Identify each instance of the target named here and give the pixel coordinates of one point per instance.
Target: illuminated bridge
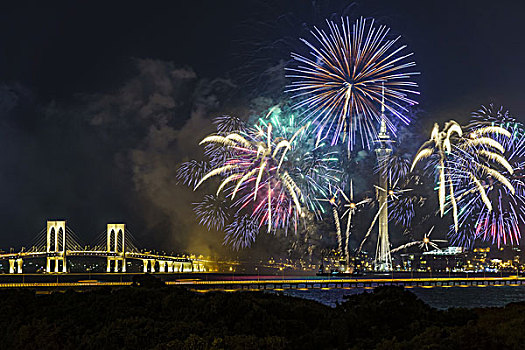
(57, 243)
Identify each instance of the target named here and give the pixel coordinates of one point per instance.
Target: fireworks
(256, 169)
(424, 243)
(272, 173)
(314, 168)
(269, 174)
(392, 194)
(331, 198)
(212, 212)
(402, 208)
(272, 170)
(395, 167)
(461, 161)
(500, 221)
(350, 209)
(189, 173)
(226, 124)
(241, 232)
(289, 162)
(492, 115)
(229, 123)
(342, 85)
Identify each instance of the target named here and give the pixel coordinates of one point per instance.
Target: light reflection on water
(438, 297)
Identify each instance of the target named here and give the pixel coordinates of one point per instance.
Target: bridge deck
(96, 253)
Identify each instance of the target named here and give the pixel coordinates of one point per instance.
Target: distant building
(440, 260)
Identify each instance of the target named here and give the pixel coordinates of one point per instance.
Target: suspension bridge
(57, 243)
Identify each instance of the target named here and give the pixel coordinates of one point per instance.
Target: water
(438, 297)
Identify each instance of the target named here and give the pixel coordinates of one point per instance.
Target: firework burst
(352, 71)
(461, 161)
(241, 233)
(331, 197)
(256, 170)
(425, 243)
(212, 212)
(314, 167)
(407, 201)
(392, 194)
(350, 209)
(500, 221)
(189, 173)
(492, 115)
(271, 169)
(228, 123)
(402, 207)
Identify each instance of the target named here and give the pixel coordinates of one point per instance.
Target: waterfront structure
(58, 244)
(55, 247)
(116, 246)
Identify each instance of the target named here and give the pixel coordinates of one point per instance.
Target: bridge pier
(162, 266)
(197, 267)
(56, 260)
(170, 266)
(117, 260)
(20, 263)
(11, 265)
(151, 267)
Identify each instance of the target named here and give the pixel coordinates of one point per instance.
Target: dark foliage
(173, 318)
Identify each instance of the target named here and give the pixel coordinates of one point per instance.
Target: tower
(56, 246)
(383, 260)
(116, 246)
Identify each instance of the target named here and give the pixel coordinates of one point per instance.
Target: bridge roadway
(163, 263)
(222, 282)
(93, 253)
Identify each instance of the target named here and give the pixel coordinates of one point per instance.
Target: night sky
(100, 101)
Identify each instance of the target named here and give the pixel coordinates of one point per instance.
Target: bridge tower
(56, 246)
(116, 245)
